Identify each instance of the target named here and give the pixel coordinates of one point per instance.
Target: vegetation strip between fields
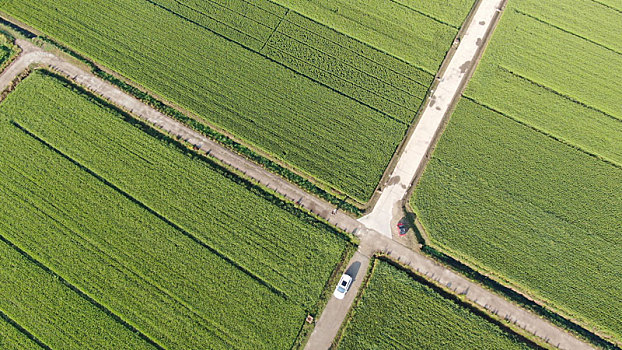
(569, 98)
(607, 6)
(17, 325)
(365, 57)
(152, 211)
(385, 114)
(270, 165)
(560, 140)
(566, 31)
(82, 294)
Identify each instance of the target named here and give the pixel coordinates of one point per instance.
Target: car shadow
(353, 270)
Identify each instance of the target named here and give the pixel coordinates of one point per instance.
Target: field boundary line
(607, 6)
(379, 50)
(425, 14)
(357, 40)
(350, 65)
(502, 286)
(567, 97)
(277, 62)
(23, 330)
(547, 134)
(566, 31)
(83, 294)
(154, 212)
(154, 3)
(273, 31)
(445, 292)
(385, 114)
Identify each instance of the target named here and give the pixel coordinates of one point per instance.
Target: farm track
(371, 241)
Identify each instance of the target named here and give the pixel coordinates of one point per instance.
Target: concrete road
(371, 241)
(430, 122)
(336, 310)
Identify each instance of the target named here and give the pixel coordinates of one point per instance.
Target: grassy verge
(386, 287)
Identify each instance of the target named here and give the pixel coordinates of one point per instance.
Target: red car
(402, 228)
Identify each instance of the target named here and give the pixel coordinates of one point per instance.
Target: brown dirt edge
(524, 336)
(340, 198)
(505, 288)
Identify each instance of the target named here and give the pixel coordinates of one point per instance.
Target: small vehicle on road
(402, 228)
(343, 286)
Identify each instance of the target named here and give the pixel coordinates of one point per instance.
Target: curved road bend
(371, 241)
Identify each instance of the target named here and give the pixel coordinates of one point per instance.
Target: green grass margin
(447, 259)
(529, 339)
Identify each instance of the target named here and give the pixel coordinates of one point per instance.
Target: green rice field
(117, 237)
(398, 312)
(525, 182)
(332, 101)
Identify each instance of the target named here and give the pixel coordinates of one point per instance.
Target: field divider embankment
(424, 14)
(345, 48)
(356, 69)
(547, 134)
(164, 124)
(83, 295)
(23, 330)
(567, 97)
(607, 6)
(566, 31)
(169, 222)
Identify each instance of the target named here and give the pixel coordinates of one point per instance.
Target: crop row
(243, 22)
(389, 26)
(133, 210)
(541, 216)
(540, 52)
(399, 312)
(57, 316)
(319, 132)
(564, 118)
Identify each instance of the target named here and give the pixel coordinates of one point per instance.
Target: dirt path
(371, 241)
(452, 82)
